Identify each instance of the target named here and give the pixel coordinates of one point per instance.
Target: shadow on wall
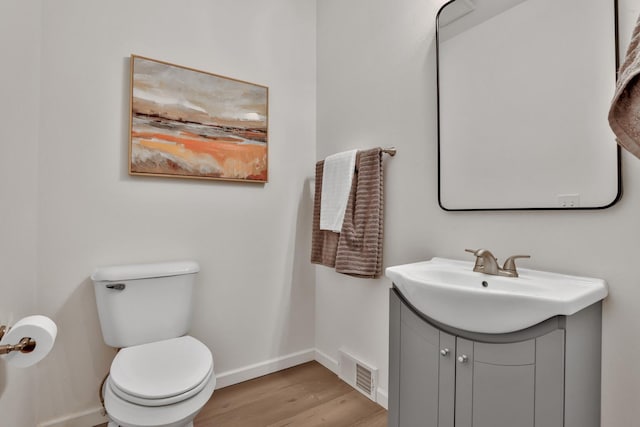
(79, 360)
(295, 317)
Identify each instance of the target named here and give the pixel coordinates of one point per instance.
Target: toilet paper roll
(41, 329)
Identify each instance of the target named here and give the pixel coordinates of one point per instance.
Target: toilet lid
(161, 369)
(163, 401)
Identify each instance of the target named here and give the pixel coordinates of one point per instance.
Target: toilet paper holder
(26, 344)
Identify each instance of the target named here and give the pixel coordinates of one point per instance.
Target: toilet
(161, 377)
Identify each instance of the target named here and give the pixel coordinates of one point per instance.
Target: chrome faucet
(488, 264)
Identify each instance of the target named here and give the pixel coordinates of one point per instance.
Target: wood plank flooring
(307, 395)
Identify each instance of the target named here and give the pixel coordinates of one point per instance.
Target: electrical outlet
(568, 200)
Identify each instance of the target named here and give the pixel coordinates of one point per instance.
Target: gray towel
(624, 115)
(357, 249)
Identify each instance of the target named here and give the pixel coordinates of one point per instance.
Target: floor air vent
(358, 375)
(363, 379)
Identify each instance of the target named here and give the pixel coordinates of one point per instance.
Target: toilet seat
(127, 414)
(161, 401)
(164, 383)
(161, 373)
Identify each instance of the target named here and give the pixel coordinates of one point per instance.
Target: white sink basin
(450, 292)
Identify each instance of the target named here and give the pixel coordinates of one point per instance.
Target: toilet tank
(143, 303)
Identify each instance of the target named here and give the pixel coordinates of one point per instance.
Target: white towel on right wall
(336, 185)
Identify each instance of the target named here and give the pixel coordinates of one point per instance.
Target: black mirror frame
(580, 208)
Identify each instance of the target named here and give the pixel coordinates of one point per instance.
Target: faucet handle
(479, 261)
(510, 264)
(480, 252)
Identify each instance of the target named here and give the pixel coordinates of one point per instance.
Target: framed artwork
(193, 124)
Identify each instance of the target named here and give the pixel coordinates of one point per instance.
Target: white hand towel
(336, 185)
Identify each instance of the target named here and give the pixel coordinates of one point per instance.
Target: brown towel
(624, 115)
(357, 249)
(324, 243)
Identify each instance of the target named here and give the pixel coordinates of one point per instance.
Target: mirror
(524, 89)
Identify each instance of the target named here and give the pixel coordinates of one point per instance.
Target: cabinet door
(447, 373)
(550, 379)
(421, 371)
(495, 384)
(421, 356)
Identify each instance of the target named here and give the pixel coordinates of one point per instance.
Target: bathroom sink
(450, 292)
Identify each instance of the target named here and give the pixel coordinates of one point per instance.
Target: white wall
(377, 86)
(19, 113)
(255, 292)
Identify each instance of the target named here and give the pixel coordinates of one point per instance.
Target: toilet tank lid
(144, 271)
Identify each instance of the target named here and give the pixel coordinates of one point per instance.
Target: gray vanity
(544, 375)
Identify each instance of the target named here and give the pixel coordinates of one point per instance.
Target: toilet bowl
(161, 377)
(160, 384)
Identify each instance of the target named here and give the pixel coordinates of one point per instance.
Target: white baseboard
(95, 416)
(88, 418)
(250, 372)
(328, 362)
(382, 398)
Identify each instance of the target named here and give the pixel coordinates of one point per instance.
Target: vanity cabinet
(545, 376)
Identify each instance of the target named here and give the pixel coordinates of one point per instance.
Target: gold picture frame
(187, 123)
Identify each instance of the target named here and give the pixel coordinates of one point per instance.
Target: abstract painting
(193, 124)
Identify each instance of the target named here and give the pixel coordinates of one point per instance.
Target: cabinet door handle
(444, 352)
(463, 358)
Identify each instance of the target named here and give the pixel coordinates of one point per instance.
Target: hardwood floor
(307, 395)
